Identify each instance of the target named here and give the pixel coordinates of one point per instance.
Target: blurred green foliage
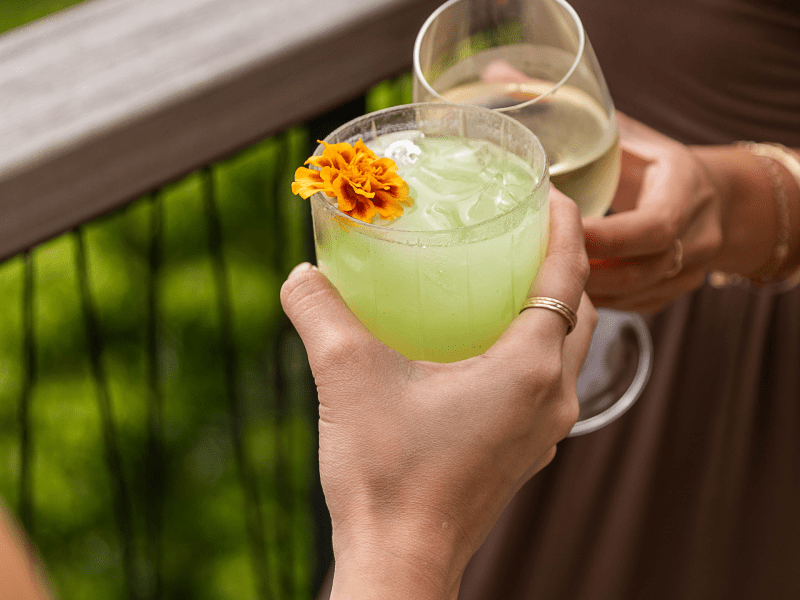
(14, 13)
(205, 552)
(190, 527)
(390, 93)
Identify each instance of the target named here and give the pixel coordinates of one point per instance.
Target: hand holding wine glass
(682, 212)
(657, 247)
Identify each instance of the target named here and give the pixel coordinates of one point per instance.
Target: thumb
(329, 330)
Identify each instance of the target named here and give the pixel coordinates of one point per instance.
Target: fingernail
(301, 267)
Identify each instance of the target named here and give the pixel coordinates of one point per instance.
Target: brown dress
(694, 494)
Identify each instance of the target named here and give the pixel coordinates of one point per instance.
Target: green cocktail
(444, 280)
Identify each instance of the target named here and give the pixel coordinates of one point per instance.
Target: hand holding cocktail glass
(418, 459)
(444, 280)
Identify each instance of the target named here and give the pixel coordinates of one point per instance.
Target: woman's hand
(418, 459)
(681, 212)
(667, 230)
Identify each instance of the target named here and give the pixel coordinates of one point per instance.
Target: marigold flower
(363, 184)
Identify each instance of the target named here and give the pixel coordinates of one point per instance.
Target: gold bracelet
(780, 153)
(771, 153)
(769, 156)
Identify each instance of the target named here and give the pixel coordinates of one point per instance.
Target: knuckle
(567, 413)
(550, 372)
(298, 288)
(573, 265)
(542, 379)
(666, 231)
(339, 350)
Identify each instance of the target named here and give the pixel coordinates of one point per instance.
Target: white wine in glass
(584, 157)
(531, 60)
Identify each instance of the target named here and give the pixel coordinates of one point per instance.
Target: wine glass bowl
(532, 61)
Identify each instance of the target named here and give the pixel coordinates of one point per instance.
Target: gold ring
(678, 267)
(554, 305)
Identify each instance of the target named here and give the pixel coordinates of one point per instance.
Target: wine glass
(532, 60)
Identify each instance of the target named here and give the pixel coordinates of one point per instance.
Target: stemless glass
(532, 60)
(437, 295)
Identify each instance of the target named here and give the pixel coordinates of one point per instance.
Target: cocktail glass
(531, 60)
(440, 295)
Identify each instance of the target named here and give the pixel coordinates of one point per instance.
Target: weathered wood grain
(103, 102)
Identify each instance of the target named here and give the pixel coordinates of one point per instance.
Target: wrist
(382, 574)
(398, 561)
(760, 214)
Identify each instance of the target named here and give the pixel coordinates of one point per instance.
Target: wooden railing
(154, 332)
(103, 102)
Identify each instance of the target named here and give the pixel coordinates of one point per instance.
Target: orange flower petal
(361, 149)
(360, 187)
(307, 182)
(386, 205)
(319, 161)
(348, 197)
(342, 153)
(328, 175)
(386, 165)
(363, 184)
(363, 211)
